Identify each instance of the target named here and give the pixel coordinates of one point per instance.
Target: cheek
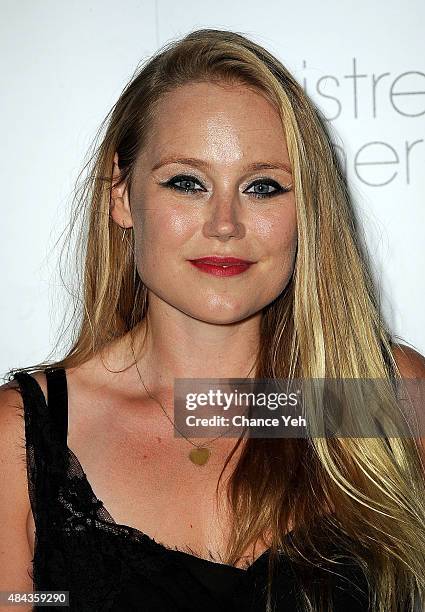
(159, 236)
(278, 235)
(179, 226)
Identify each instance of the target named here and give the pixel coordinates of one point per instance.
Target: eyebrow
(199, 163)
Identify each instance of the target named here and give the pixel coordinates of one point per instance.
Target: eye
(186, 182)
(264, 184)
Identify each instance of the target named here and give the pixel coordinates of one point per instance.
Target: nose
(224, 220)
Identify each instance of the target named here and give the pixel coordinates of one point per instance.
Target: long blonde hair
(367, 492)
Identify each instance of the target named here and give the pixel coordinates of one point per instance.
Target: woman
(212, 150)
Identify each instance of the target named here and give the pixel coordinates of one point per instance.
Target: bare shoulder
(410, 363)
(12, 426)
(12, 432)
(12, 423)
(14, 498)
(11, 408)
(10, 390)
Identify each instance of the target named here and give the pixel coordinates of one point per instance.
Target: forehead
(224, 122)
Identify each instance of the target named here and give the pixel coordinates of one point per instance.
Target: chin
(220, 316)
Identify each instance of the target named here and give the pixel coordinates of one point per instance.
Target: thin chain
(165, 412)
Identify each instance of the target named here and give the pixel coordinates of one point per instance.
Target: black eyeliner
(259, 181)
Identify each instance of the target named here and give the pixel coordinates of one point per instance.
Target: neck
(183, 347)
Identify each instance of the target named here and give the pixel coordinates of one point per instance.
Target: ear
(120, 205)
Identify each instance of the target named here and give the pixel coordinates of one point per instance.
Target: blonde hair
(367, 492)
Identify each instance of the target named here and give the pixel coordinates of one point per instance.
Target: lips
(216, 260)
(221, 266)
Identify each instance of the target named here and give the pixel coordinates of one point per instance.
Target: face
(232, 198)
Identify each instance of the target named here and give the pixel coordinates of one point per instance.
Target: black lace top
(108, 566)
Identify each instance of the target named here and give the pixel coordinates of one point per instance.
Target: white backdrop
(64, 64)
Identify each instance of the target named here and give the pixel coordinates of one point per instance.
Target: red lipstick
(221, 266)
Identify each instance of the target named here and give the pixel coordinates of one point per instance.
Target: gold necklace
(198, 455)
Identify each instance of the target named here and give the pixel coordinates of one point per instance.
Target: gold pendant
(199, 455)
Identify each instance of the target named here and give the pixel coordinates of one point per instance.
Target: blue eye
(264, 182)
(187, 182)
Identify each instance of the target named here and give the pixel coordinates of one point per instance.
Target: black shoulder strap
(57, 402)
(55, 434)
(46, 425)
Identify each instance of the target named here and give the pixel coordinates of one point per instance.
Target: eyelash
(261, 181)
